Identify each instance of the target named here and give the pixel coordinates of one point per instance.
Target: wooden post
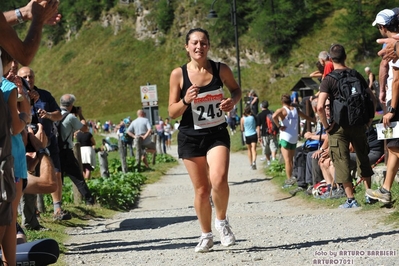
(77, 197)
(122, 154)
(103, 160)
(158, 143)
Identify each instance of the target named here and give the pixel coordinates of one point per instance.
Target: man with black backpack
(69, 164)
(352, 108)
(267, 135)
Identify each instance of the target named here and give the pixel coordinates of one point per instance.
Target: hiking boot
(309, 191)
(379, 195)
(289, 182)
(205, 244)
(61, 215)
(254, 166)
(298, 189)
(90, 201)
(227, 237)
(39, 227)
(348, 205)
(338, 193)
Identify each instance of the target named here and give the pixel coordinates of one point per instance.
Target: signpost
(149, 100)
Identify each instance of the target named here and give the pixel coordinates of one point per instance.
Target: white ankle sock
(207, 235)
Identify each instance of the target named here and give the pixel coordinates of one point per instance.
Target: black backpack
(62, 144)
(353, 106)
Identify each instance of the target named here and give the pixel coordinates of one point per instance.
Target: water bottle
(353, 90)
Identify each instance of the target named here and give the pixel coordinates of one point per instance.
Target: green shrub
(276, 168)
(164, 158)
(119, 191)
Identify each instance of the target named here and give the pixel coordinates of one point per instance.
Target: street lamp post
(212, 14)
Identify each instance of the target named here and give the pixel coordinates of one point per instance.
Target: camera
(29, 147)
(34, 127)
(75, 109)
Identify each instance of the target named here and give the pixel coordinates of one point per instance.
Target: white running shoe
(227, 237)
(205, 244)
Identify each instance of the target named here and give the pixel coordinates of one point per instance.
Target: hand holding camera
(36, 141)
(77, 110)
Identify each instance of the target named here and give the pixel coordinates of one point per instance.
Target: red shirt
(328, 67)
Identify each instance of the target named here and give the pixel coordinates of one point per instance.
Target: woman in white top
(287, 118)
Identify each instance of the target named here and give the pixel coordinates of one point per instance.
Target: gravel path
(271, 228)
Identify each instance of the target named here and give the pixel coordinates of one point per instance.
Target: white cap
(383, 17)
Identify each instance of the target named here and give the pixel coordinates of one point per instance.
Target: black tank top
(187, 123)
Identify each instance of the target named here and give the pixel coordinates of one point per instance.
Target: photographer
(69, 164)
(44, 110)
(41, 173)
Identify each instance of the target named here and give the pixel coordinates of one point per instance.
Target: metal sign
(149, 95)
(152, 103)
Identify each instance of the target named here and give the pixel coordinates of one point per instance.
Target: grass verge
(277, 172)
(81, 214)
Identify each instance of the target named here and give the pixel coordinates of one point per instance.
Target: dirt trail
(271, 228)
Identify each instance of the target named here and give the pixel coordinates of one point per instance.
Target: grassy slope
(105, 71)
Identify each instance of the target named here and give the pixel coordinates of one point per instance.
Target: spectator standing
(140, 130)
(231, 120)
(204, 144)
(69, 163)
(325, 61)
(389, 29)
(294, 98)
(87, 145)
(107, 127)
(268, 141)
(19, 118)
(176, 125)
(22, 51)
(254, 102)
(374, 86)
(161, 136)
(128, 140)
(319, 72)
(248, 126)
(340, 137)
(167, 128)
(370, 78)
(287, 118)
(98, 126)
(45, 111)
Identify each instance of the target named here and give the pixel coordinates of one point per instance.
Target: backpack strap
(337, 76)
(59, 128)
